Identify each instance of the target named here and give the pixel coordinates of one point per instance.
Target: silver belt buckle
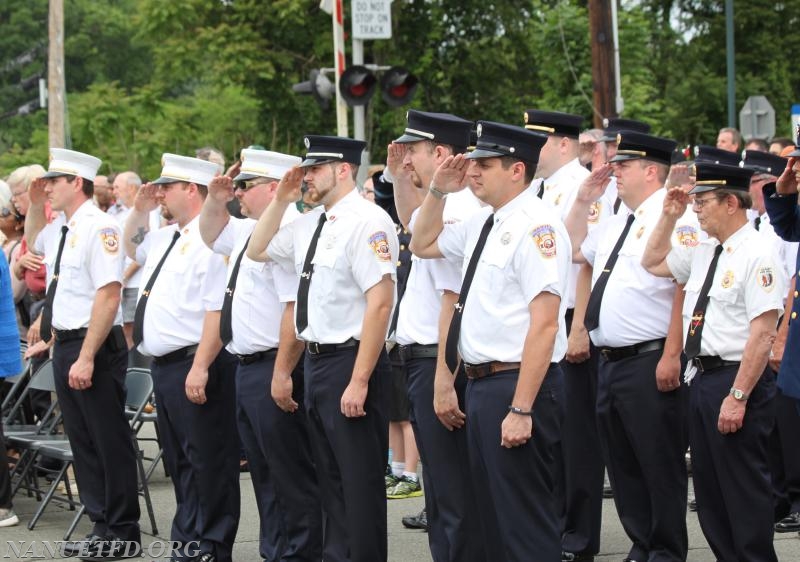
(313, 348)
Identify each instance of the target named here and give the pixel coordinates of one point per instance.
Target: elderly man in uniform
(734, 295)
(423, 315)
(177, 324)
(510, 334)
(345, 255)
(640, 404)
(82, 313)
(559, 175)
(256, 326)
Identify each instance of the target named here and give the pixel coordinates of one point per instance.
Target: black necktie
(540, 193)
(402, 278)
(592, 319)
(757, 223)
(453, 333)
(305, 278)
(694, 335)
(617, 204)
(138, 318)
(226, 317)
(45, 331)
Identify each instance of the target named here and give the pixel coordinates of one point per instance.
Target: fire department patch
(545, 238)
(594, 212)
(766, 278)
(687, 236)
(380, 245)
(110, 240)
(727, 279)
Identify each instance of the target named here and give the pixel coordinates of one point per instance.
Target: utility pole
(56, 89)
(603, 67)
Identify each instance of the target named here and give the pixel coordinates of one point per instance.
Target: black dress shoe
(111, 548)
(75, 548)
(576, 557)
(419, 521)
(788, 524)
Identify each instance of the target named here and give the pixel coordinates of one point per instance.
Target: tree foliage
(147, 76)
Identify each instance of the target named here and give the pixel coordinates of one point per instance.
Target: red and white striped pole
(339, 65)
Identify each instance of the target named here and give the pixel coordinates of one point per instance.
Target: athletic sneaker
(8, 518)
(391, 482)
(406, 488)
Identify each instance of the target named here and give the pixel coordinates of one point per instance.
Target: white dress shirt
(748, 281)
(91, 259)
(357, 246)
(527, 253)
(190, 283)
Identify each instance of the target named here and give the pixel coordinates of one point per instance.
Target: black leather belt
(480, 370)
(710, 362)
(618, 353)
(69, 335)
(315, 348)
(257, 356)
(175, 356)
(418, 351)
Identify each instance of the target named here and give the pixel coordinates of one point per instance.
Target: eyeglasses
(248, 185)
(700, 203)
(5, 212)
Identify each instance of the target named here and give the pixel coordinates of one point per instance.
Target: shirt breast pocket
(70, 266)
(692, 290)
(496, 262)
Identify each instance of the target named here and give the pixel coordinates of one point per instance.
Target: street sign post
(757, 118)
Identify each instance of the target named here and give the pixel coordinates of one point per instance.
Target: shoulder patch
(110, 240)
(594, 212)
(545, 238)
(766, 278)
(687, 236)
(380, 245)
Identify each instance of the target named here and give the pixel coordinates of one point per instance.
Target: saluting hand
(787, 183)
(679, 176)
(450, 175)
(445, 403)
(195, 385)
(80, 374)
(353, 399)
(36, 192)
(731, 415)
(220, 189)
(145, 200)
(289, 187)
(676, 201)
(515, 430)
(395, 154)
(234, 169)
(594, 186)
(282, 388)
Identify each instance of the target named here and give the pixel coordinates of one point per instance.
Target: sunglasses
(5, 212)
(247, 185)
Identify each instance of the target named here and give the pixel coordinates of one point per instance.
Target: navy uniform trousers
(101, 438)
(453, 523)
(643, 433)
(281, 467)
(784, 448)
(350, 455)
(731, 472)
(582, 468)
(514, 487)
(201, 453)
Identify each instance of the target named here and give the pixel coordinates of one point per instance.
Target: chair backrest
(42, 379)
(17, 383)
(138, 389)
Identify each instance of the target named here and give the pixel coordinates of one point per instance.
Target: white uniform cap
(265, 164)
(65, 162)
(184, 168)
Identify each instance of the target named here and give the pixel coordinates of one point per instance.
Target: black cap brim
(163, 180)
(308, 162)
(625, 158)
(49, 175)
(243, 176)
(481, 152)
(408, 138)
(704, 188)
(608, 138)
